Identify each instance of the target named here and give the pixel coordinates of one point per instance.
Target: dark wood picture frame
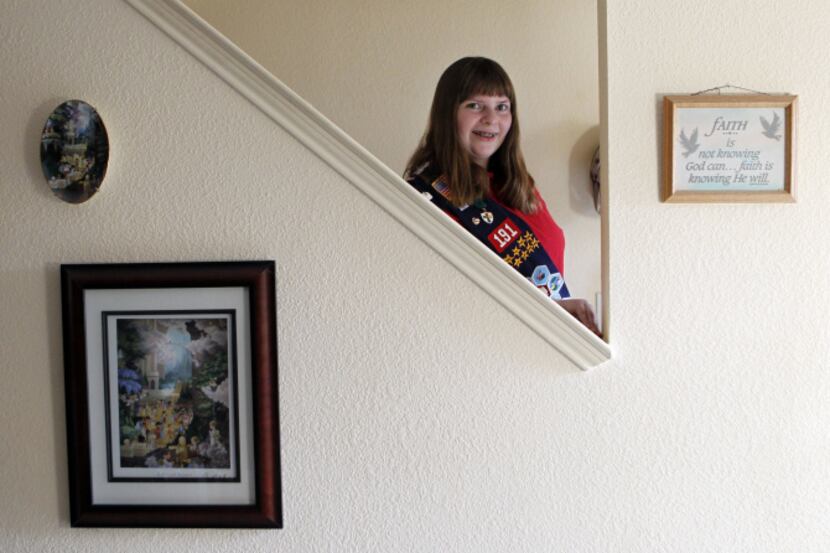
(255, 281)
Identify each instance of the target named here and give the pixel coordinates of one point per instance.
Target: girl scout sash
(506, 234)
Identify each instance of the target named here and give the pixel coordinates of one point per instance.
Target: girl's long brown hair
(440, 149)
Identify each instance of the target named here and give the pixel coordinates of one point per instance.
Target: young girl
(469, 163)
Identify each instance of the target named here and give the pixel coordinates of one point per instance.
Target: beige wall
(721, 313)
(417, 414)
(371, 67)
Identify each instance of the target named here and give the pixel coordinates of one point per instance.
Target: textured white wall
(402, 384)
(417, 415)
(371, 66)
(720, 312)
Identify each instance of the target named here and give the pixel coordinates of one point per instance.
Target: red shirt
(545, 229)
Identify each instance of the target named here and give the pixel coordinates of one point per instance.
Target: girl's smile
(482, 123)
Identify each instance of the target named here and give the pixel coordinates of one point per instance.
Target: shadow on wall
(55, 335)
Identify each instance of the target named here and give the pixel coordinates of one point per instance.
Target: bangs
(488, 78)
(489, 88)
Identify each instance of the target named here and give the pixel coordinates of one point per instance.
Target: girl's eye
(473, 105)
(504, 108)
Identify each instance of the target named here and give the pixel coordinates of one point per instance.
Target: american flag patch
(441, 187)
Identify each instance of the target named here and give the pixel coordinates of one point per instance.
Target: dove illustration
(689, 144)
(771, 128)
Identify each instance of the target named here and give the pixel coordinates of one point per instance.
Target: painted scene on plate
(176, 408)
(74, 151)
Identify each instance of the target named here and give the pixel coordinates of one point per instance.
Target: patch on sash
(504, 235)
(541, 275)
(441, 187)
(525, 245)
(550, 284)
(556, 284)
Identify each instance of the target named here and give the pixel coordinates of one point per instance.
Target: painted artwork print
(171, 389)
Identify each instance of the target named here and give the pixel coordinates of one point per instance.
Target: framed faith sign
(729, 148)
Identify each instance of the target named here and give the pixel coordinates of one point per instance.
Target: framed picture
(171, 394)
(729, 148)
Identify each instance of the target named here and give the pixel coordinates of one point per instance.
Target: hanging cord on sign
(718, 89)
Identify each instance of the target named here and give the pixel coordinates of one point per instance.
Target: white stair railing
(376, 180)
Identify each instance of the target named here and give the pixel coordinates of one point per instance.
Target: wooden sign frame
(729, 148)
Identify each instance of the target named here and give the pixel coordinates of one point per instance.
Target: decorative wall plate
(74, 151)
(595, 182)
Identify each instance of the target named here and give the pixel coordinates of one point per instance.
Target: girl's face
(482, 123)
